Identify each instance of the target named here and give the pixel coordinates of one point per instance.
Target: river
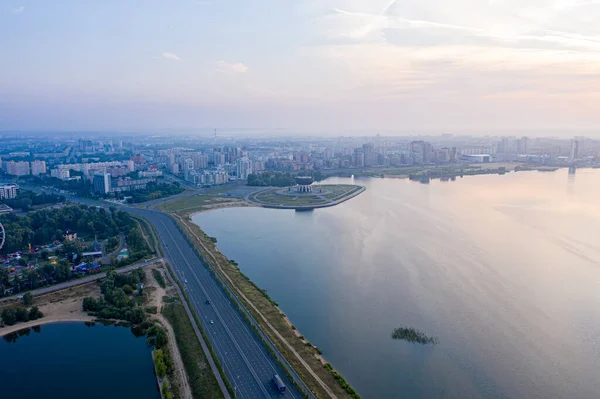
(74, 361)
(504, 270)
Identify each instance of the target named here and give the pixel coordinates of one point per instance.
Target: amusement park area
(49, 246)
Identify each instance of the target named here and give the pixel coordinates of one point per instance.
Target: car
(212, 322)
(185, 280)
(207, 302)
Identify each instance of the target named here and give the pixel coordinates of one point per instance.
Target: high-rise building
(218, 159)
(358, 159)
(102, 183)
(20, 168)
(8, 191)
(574, 149)
(522, 145)
(175, 169)
(244, 168)
(200, 160)
(369, 154)
(38, 168)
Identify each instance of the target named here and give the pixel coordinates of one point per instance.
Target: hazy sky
(322, 64)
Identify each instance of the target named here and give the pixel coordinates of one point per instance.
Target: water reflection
(504, 269)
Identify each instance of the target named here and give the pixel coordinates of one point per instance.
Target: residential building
(8, 191)
(38, 168)
(244, 168)
(17, 168)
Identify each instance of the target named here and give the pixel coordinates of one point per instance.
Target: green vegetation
(159, 363)
(26, 199)
(202, 380)
(13, 315)
(116, 304)
(275, 179)
(411, 334)
(349, 390)
(155, 191)
(48, 225)
(28, 299)
(159, 278)
(165, 390)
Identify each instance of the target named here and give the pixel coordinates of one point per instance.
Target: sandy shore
(59, 306)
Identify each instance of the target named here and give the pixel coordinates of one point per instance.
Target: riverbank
(301, 354)
(59, 306)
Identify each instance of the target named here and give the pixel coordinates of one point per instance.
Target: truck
(278, 382)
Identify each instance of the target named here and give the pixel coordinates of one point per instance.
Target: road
(247, 364)
(245, 360)
(80, 281)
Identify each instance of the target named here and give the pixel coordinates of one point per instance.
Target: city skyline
(329, 66)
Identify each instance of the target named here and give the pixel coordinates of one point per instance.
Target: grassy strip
(349, 390)
(147, 232)
(201, 378)
(205, 337)
(159, 278)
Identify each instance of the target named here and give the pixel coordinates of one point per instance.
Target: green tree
(63, 271)
(9, 316)
(35, 313)
(28, 299)
(21, 314)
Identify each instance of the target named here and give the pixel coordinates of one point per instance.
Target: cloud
(171, 56)
(18, 10)
(237, 67)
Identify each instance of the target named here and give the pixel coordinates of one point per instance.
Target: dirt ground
(58, 306)
(156, 299)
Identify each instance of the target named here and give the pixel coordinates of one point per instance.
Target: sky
(314, 65)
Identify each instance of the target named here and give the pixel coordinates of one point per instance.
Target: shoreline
(44, 320)
(330, 388)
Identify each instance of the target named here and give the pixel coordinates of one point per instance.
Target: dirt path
(181, 379)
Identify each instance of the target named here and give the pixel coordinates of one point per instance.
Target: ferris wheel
(2, 236)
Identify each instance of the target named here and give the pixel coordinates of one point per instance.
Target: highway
(246, 362)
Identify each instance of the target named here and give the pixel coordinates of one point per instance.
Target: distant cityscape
(118, 166)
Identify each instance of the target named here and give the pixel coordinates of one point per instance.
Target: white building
(8, 191)
(38, 168)
(61, 173)
(20, 168)
(244, 168)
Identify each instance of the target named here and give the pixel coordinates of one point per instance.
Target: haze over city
(301, 66)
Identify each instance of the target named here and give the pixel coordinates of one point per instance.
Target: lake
(72, 360)
(504, 270)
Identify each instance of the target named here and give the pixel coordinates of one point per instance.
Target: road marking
(244, 358)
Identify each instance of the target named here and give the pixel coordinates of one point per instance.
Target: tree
(45, 255)
(22, 262)
(9, 316)
(63, 271)
(21, 314)
(35, 313)
(28, 299)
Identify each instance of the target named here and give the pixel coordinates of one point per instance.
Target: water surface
(503, 269)
(74, 361)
